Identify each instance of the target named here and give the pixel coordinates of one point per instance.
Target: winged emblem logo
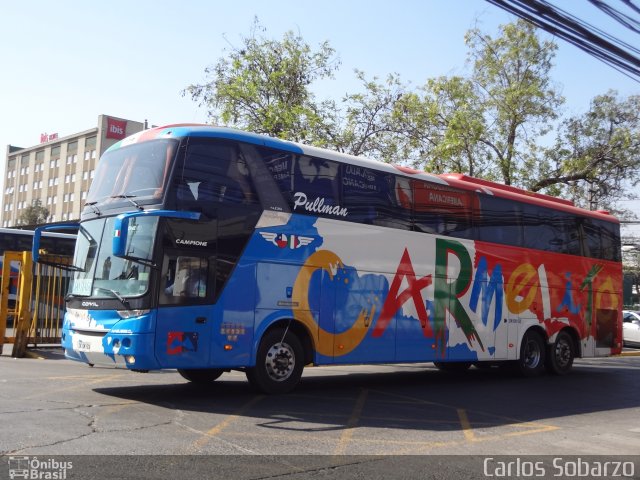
(282, 240)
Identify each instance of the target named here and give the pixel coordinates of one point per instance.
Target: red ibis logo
(116, 129)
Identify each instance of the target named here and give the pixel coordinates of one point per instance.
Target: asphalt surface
(349, 421)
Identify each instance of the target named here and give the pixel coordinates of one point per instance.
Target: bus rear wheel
(279, 362)
(532, 354)
(201, 376)
(561, 354)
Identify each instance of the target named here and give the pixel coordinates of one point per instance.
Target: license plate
(82, 346)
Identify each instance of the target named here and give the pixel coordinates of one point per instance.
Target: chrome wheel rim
(532, 354)
(280, 362)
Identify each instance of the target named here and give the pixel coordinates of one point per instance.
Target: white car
(631, 328)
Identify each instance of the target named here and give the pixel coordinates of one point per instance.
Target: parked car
(631, 328)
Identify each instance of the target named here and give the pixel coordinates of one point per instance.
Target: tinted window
(370, 197)
(442, 210)
(280, 165)
(602, 239)
(499, 220)
(550, 230)
(316, 185)
(310, 185)
(212, 173)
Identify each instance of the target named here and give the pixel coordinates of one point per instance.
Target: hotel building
(59, 170)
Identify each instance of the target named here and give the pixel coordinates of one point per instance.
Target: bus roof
(457, 180)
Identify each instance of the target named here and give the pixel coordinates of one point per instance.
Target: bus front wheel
(279, 362)
(532, 354)
(201, 376)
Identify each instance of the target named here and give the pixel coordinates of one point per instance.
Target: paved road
(54, 406)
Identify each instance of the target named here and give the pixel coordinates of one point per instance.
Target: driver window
(185, 280)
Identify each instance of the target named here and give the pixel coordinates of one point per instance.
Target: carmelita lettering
(317, 206)
(194, 243)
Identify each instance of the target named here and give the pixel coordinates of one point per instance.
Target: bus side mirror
(121, 226)
(37, 235)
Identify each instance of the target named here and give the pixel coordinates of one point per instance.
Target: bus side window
(185, 278)
(500, 221)
(213, 172)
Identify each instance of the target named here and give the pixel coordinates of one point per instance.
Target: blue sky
(66, 62)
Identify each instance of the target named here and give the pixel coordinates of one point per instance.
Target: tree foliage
(492, 123)
(34, 214)
(596, 156)
(264, 86)
(511, 79)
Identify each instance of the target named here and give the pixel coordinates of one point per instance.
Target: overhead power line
(617, 53)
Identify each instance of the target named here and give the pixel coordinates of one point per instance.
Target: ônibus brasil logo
(35, 468)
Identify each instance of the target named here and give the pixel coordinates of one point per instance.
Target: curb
(629, 354)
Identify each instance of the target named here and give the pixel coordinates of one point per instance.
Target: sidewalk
(49, 352)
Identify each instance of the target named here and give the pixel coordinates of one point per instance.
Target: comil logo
(116, 129)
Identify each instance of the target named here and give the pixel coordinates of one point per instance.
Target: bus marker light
(130, 359)
(228, 347)
(511, 345)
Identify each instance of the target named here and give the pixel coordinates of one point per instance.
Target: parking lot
(57, 407)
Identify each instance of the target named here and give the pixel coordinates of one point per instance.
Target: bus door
(186, 293)
(185, 314)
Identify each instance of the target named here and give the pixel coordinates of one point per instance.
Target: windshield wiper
(71, 296)
(93, 207)
(123, 300)
(130, 199)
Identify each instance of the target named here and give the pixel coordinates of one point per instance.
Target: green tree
(34, 214)
(264, 86)
(511, 75)
(490, 124)
(443, 124)
(595, 160)
(485, 124)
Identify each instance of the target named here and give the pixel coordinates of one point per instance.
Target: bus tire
(201, 376)
(279, 362)
(453, 366)
(532, 354)
(560, 354)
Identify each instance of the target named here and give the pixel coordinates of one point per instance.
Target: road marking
(529, 427)
(209, 434)
(466, 426)
(352, 423)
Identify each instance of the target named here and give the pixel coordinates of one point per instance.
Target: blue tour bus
(208, 249)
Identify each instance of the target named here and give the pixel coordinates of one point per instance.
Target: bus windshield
(137, 170)
(102, 275)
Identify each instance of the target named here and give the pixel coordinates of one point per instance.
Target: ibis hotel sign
(116, 129)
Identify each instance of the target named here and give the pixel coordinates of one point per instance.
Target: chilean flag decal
(282, 240)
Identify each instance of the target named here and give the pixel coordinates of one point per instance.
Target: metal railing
(32, 302)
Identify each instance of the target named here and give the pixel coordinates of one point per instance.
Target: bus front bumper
(99, 348)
